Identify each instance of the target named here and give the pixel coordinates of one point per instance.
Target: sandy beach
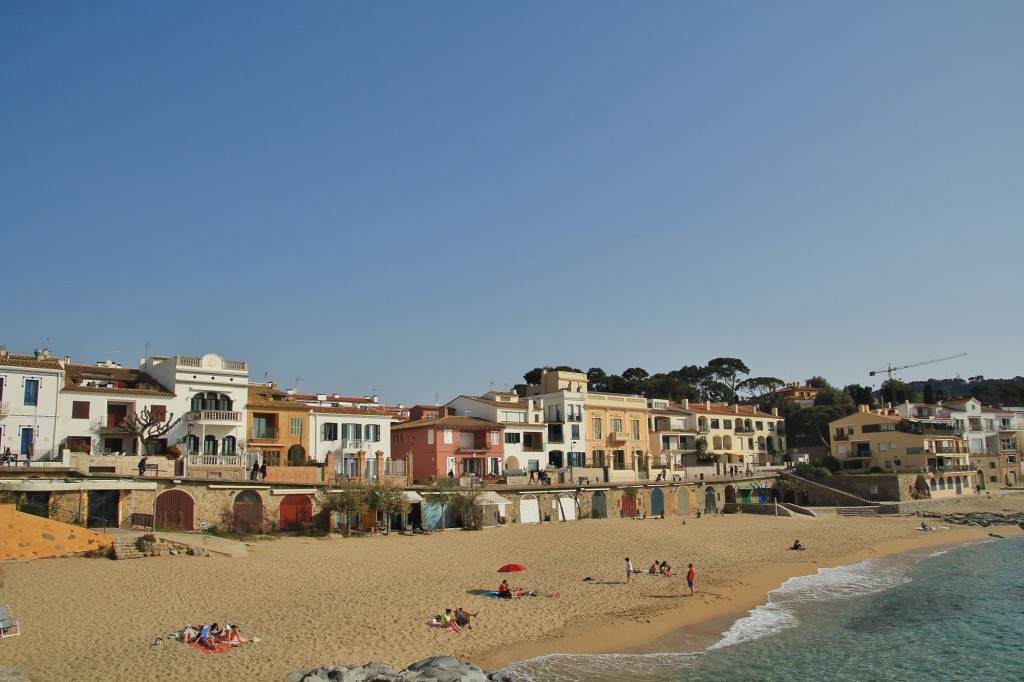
(319, 601)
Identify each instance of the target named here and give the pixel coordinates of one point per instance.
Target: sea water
(953, 614)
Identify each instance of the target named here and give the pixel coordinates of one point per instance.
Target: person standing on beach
(690, 576)
(629, 572)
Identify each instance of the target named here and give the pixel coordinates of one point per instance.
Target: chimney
(707, 404)
(736, 408)
(686, 403)
(775, 412)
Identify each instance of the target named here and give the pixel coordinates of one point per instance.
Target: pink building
(442, 444)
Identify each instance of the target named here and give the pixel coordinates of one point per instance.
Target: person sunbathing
(206, 636)
(665, 569)
(188, 634)
(232, 635)
(653, 570)
(504, 591)
(464, 617)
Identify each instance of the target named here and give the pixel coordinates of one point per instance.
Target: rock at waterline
(434, 669)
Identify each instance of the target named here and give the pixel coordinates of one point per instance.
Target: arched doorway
(730, 494)
(710, 503)
(629, 506)
(566, 508)
(295, 511)
(599, 506)
(657, 502)
(248, 512)
(529, 509)
(683, 499)
(296, 456)
(175, 509)
(512, 463)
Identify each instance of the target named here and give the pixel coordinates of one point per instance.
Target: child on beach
(690, 576)
(629, 572)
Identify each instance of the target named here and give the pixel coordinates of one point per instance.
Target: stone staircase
(126, 548)
(857, 511)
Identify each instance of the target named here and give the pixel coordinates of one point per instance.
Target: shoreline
(717, 616)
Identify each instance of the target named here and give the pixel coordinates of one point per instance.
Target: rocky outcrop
(983, 519)
(435, 669)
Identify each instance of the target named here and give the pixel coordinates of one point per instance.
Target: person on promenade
(629, 572)
(142, 465)
(255, 471)
(691, 575)
(263, 470)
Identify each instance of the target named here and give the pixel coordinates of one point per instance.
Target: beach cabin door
(566, 509)
(103, 508)
(599, 505)
(175, 509)
(295, 511)
(710, 505)
(529, 510)
(657, 502)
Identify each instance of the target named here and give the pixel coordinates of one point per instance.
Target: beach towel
(494, 595)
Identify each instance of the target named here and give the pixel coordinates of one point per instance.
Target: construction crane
(889, 369)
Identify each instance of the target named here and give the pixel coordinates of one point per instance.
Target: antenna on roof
(297, 380)
(110, 354)
(148, 346)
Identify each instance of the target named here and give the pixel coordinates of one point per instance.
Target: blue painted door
(26, 441)
(657, 502)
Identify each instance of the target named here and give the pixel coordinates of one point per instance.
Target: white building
(30, 395)
(560, 396)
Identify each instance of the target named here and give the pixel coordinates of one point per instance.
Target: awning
(411, 496)
(491, 497)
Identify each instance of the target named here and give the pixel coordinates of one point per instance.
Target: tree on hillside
(861, 395)
(759, 388)
(635, 374)
(596, 379)
(929, 393)
(728, 371)
(894, 391)
(149, 425)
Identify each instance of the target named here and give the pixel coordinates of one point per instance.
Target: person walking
(263, 470)
(629, 572)
(690, 576)
(255, 471)
(142, 465)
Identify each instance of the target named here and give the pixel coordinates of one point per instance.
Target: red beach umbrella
(511, 568)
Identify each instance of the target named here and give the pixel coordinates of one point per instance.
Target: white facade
(561, 396)
(525, 442)
(210, 396)
(30, 395)
(347, 432)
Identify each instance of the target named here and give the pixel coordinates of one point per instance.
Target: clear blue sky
(423, 198)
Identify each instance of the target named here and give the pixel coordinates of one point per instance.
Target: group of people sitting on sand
(660, 568)
(453, 621)
(211, 635)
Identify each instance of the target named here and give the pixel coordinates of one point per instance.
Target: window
(991, 465)
(511, 438)
(448, 436)
(329, 431)
(617, 425)
(727, 424)
(227, 446)
(577, 459)
(533, 465)
(210, 445)
(597, 427)
(494, 437)
(159, 412)
(352, 432)
(714, 423)
(759, 426)
(430, 436)
(80, 409)
(599, 458)
(373, 432)
(295, 428)
(31, 391)
(636, 429)
(576, 431)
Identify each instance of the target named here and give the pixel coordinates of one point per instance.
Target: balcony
(859, 454)
(263, 434)
(703, 429)
(112, 424)
(952, 468)
(618, 436)
(196, 363)
(474, 448)
(840, 436)
(212, 417)
(743, 430)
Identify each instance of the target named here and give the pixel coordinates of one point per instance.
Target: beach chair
(8, 626)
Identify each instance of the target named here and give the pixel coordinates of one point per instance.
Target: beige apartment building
(618, 436)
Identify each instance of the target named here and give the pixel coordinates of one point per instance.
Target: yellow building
(895, 444)
(617, 435)
(738, 436)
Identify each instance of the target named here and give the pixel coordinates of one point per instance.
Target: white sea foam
(577, 667)
(828, 584)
